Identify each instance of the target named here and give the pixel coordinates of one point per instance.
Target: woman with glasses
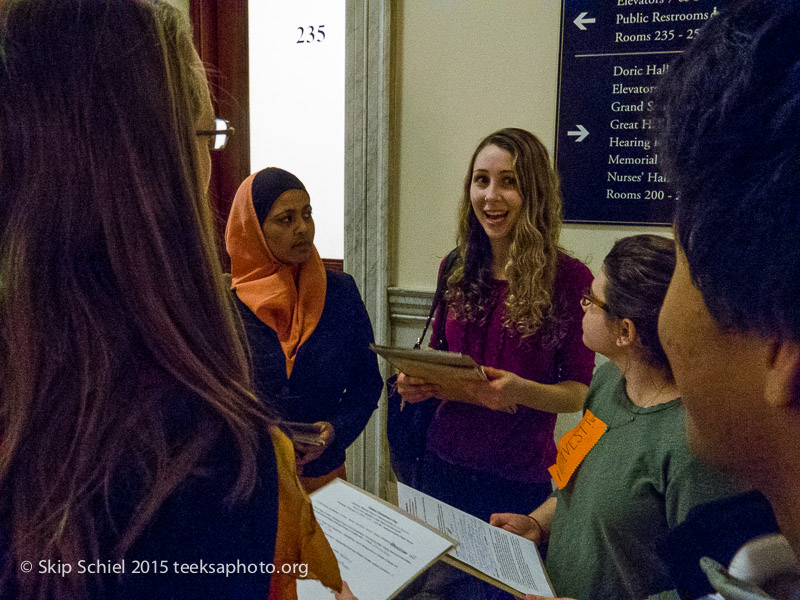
(135, 461)
(308, 329)
(638, 479)
(513, 306)
(219, 136)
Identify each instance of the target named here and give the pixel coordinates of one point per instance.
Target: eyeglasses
(588, 298)
(221, 134)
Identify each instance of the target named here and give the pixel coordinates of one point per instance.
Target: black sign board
(612, 54)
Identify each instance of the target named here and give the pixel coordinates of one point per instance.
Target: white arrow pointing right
(580, 133)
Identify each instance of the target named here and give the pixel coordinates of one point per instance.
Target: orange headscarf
(266, 285)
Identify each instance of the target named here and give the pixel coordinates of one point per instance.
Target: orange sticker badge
(574, 446)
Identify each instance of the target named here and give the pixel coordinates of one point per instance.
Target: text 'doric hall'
(612, 56)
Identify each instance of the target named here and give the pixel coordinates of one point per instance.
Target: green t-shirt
(639, 481)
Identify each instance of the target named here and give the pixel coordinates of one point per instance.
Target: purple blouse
(517, 446)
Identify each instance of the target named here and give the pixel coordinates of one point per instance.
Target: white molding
(366, 201)
(408, 306)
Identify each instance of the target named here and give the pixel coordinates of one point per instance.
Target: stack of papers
(495, 555)
(380, 549)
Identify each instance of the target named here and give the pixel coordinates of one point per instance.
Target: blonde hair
(534, 250)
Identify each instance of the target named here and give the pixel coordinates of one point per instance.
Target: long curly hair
(534, 250)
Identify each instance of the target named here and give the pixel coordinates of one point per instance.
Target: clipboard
(443, 368)
(428, 544)
(530, 560)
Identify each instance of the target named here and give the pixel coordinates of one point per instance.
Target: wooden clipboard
(449, 370)
(392, 493)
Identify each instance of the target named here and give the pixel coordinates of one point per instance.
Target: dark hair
(638, 271)
(534, 248)
(728, 114)
(112, 305)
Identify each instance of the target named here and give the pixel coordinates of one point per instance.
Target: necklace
(651, 395)
(626, 410)
(657, 399)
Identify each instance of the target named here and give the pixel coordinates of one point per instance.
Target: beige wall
(462, 69)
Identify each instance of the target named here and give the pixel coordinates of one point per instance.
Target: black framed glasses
(221, 134)
(588, 298)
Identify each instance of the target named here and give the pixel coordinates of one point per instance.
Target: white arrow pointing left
(580, 133)
(581, 21)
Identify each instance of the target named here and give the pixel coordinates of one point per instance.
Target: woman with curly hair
(513, 305)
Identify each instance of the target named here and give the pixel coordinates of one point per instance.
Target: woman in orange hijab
(308, 329)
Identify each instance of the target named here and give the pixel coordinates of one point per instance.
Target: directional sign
(580, 133)
(612, 55)
(581, 21)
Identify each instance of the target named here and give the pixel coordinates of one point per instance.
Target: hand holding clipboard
(450, 376)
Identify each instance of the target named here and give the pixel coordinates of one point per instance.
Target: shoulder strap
(438, 296)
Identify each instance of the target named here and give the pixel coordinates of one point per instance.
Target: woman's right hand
(414, 389)
(521, 525)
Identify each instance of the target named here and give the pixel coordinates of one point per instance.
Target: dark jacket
(335, 376)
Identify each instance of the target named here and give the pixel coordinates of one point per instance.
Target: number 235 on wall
(311, 34)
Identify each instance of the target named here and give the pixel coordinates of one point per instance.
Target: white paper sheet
(496, 552)
(379, 549)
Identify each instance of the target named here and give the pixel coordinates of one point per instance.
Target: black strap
(438, 296)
